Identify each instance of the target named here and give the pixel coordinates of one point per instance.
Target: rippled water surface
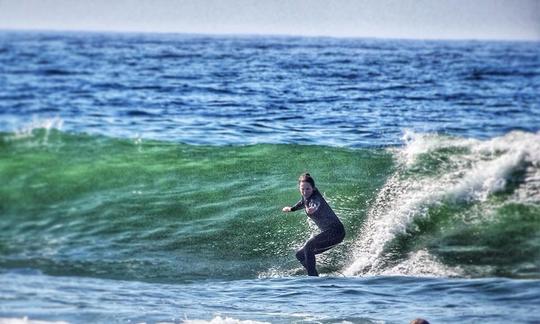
(143, 178)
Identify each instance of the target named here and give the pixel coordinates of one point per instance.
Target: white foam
(223, 320)
(417, 144)
(276, 272)
(28, 129)
(25, 320)
(423, 264)
(474, 171)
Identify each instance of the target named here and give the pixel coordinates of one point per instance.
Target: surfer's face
(305, 189)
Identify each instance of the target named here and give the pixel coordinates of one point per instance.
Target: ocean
(143, 177)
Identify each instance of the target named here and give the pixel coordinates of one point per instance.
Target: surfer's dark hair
(306, 177)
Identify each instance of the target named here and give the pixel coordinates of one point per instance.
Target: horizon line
(284, 35)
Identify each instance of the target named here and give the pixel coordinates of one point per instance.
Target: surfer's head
(306, 185)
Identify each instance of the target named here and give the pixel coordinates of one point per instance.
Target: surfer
(317, 209)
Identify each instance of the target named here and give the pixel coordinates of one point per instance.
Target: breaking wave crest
(455, 207)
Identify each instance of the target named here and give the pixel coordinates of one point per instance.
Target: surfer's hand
(286, 209)
(312, 207)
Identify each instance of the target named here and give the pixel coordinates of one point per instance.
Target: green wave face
(167, 212)
(158, 211)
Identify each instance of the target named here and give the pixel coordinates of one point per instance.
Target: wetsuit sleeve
(298, 205)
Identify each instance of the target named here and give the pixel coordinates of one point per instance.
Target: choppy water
(143, 178)
(227, 90)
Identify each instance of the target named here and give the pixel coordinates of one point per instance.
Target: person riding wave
(317, 209)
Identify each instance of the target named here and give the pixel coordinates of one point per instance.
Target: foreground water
(280, 300)
(143, 178)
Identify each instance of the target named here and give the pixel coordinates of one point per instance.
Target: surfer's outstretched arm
(296, 206)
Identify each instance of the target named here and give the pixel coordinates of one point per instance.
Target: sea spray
(446, 180)
(28, 129)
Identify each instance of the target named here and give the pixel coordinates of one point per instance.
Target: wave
(87, 205)
(456, 207)
(136, 209)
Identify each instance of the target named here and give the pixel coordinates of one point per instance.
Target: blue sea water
(143, 177)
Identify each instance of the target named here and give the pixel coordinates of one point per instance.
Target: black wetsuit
(332, 231)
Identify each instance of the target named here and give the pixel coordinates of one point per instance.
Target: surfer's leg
(327, 242)
(309, 260)
(306, 256)
(301, 256)
(318, 244)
